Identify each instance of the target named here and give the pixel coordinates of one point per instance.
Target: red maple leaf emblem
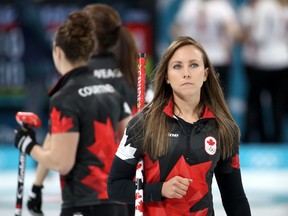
(153, 175)
(105, 144)
(97, 180)
(58, 124)
(211, 142)
(139, 207)
(235, 162)
(104, 148)
(196, 191)
(139, 166)
(138, 196)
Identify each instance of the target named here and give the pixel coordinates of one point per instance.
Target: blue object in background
(264, 157)
(9, 159)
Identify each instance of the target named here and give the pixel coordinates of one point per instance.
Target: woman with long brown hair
(185, 135)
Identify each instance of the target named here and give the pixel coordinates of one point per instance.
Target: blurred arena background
(264, 165)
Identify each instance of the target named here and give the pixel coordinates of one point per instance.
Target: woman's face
(186, 72)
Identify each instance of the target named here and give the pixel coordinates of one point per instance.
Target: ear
(206, 73)
(167, 80)
(58, 58)
(58, 52)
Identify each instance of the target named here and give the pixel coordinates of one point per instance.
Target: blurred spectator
(265, 55)
(214, 24)
(37, 57)
(285, 8)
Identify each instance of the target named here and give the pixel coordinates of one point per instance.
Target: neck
(66, 68)
(187, 110)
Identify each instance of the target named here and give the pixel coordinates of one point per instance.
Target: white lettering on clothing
(95, 89)
(107, 73)
(173, 135)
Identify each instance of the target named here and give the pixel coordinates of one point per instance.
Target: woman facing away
(114, 58)
(185, 135)
(113, 61)
(85, 117)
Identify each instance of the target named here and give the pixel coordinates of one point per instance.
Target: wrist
(37, 188)
(29, 147)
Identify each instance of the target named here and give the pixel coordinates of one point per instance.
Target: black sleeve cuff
(30, 147)
(152, 192)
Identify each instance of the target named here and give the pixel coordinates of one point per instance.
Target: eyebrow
(192, 60)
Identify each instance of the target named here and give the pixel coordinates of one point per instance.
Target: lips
(187, 83)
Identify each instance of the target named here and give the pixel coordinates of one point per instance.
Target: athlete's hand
(176, 187)
(34, 203)
(25, 139)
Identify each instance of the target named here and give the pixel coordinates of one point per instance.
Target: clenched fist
(176, 187)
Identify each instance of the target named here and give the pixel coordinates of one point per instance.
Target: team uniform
(104, 68)
(81, 103)
(194, 153)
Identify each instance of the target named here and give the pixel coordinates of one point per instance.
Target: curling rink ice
(264, 175)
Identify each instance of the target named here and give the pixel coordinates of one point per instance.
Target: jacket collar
(169, 110)
(65, 78)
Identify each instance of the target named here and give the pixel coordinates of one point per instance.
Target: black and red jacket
(81, 103)
(194, 153)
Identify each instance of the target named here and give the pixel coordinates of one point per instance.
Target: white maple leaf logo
(126, 108)
(125, 152)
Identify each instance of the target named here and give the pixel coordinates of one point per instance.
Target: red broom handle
(141, 82)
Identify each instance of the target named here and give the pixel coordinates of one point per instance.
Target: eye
(194, 65)
(176, 66)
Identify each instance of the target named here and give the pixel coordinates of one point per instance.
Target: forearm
(58, 152)
(45, 158)
(41, 173)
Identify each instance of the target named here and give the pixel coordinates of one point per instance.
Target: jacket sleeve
(232, 193)
(121, 186)
(228, 176)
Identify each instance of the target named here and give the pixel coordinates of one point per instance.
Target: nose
(186, 73)
(186, 76)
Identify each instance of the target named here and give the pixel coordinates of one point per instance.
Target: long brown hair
(156, 121)
(112, 36)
